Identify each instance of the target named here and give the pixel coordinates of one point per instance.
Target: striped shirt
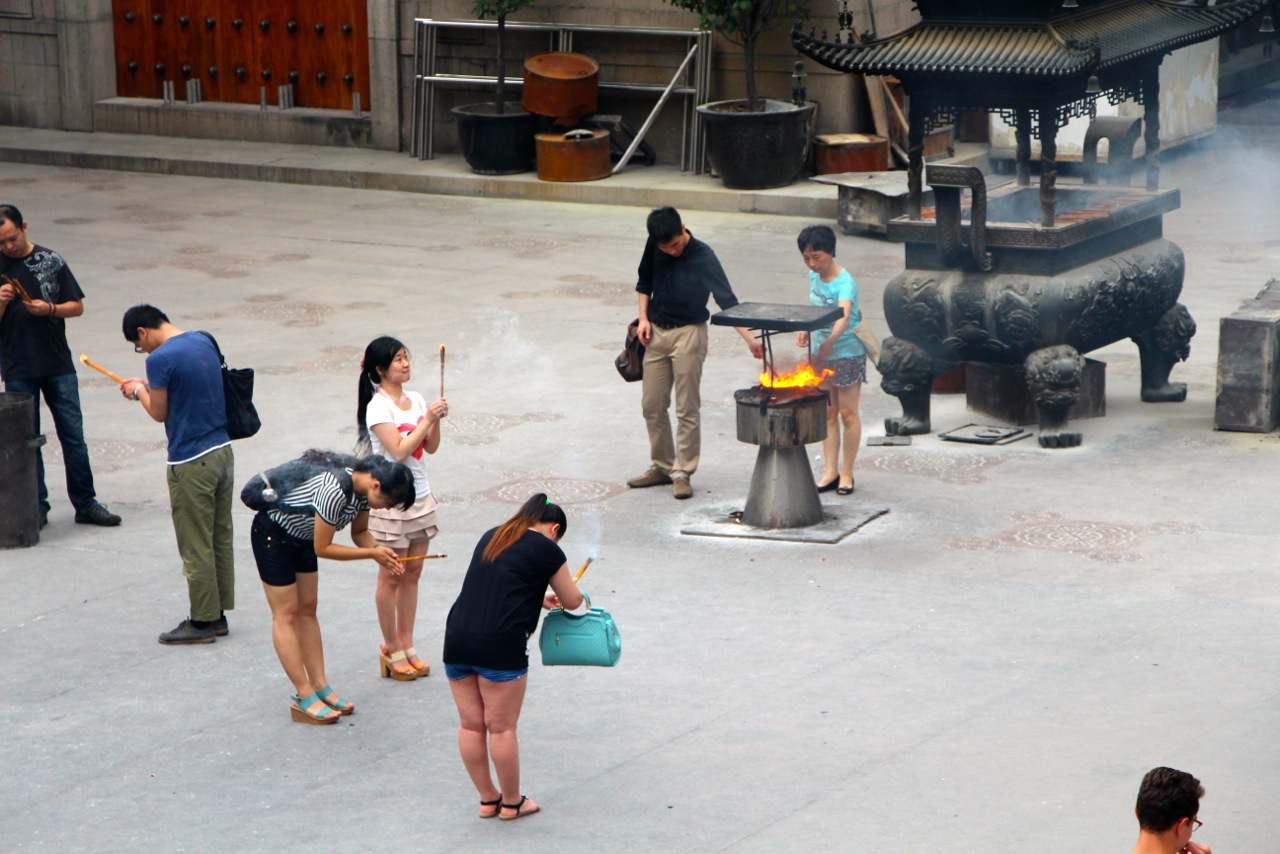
(326, 495)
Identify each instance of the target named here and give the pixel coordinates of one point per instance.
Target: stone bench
(1249, 365)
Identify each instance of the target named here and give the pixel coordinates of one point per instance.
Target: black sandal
(516, 807)
(494, 803)
(845, 490)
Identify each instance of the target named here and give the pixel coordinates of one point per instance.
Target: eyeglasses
(138, 349)
(1196, 824)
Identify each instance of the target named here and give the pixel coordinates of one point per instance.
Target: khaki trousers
(673, 360)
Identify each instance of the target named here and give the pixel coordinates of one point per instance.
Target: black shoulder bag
(237, 389)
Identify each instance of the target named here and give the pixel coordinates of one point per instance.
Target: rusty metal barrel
(20, 521)
(579, 155)
(561, 85)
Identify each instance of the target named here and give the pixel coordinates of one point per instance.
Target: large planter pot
(756, 151)
(493, 143)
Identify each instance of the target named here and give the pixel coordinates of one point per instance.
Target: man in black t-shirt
(37, 296)
(678, 273)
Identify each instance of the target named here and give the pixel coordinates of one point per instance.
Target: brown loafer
(653, 477)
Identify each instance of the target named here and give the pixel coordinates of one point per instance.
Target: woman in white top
(400, 426)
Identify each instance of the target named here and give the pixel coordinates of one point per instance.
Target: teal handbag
(587, 639)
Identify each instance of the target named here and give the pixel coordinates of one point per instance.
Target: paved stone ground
(990, 667)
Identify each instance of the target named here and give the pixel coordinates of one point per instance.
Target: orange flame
(803, 376)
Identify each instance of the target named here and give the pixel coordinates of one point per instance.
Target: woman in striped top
(288, 538)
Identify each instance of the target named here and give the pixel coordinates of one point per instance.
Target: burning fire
(803, 376)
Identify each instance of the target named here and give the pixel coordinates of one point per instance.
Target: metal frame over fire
(782, 502)
(1026, 279)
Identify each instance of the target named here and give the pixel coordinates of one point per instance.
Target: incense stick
(17, 286)
(584, 569)
(442, 372)
(91, 363)
(419, 557)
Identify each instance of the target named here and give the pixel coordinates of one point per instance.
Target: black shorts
(280, 557)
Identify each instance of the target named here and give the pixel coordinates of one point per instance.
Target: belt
(669, 325)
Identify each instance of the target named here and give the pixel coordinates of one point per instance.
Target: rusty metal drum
(20, 521)
(561, 85)
(579, 155)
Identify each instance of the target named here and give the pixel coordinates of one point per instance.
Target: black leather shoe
(220, 627)
(97, 515)
(185, 632)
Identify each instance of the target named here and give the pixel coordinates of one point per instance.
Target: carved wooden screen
(235, 47)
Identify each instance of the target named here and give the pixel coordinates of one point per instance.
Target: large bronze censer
(1031, 278)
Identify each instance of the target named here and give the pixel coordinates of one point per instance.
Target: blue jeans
(62, 396)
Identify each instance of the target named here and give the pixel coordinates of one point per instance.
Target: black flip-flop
(519, 813)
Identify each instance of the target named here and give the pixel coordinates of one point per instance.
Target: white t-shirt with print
(382, 411)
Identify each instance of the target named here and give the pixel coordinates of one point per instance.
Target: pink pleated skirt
(398, 528)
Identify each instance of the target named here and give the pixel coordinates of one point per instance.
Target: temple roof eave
(1070, 45)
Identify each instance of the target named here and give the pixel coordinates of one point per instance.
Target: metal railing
(692, 79)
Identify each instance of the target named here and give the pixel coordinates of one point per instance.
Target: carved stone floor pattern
(1109, 542)
(948, 468)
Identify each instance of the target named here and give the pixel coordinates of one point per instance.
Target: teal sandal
(300, 714)
(346, 707)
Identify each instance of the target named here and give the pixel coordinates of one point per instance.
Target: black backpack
(265, 489)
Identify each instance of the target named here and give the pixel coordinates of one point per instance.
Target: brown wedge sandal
(298, 709)
(389, 669)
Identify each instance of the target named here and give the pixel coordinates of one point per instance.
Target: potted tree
(497, 139)
(754, 143)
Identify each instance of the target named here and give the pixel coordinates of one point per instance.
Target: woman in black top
(299, 527)
(485, 644)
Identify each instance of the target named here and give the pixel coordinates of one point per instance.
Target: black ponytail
(380, 353)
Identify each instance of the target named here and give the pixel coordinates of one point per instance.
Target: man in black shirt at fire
(677, 274)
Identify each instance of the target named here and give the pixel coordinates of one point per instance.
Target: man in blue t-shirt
(183, 390)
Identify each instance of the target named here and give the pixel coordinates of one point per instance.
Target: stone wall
(38, 40)
(29, 77)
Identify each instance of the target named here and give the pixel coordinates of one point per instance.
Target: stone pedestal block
(1000, 392)
(1249, 365)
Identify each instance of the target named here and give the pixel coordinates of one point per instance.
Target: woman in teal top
(838, 349)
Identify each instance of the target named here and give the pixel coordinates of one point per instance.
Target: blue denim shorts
(462, 671)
